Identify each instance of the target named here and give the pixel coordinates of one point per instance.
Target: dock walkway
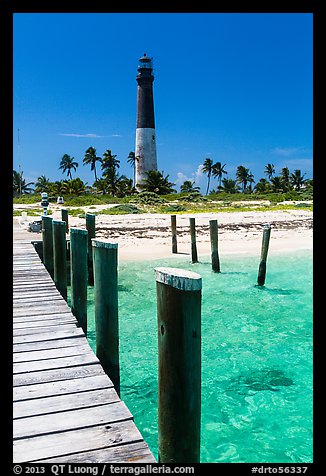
(65, 407)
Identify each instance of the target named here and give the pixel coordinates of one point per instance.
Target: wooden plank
(70, 420)
(63, 387)
(46, 320)
(131, 453)
(57, 363)
(62, 403)
(49, 336)
(41, 330)
(49, 344)
(51, 353)
(40, 317)
(23, 301)
(65, 443)
(37, 311)
(57, 374)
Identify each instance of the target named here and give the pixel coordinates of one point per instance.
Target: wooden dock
(65, 407)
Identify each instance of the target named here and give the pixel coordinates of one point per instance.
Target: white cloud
(194, 177)
(298, 164)
(287, 151)
(89, 136)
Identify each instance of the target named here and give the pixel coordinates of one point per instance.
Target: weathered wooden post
(174, 233)
(213, 230)
(78, 273)
(179, 365)
(263, 255)
(47, 240)
(90, 227)
(64, 217)
(60, 257)
(194, 256)
(105, 260)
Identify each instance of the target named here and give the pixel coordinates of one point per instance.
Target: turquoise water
(256, 355)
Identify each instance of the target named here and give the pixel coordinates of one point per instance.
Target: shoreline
(148, 236)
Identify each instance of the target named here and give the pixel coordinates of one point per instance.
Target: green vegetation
(148, 198)
(121, 210)
(158, 194)
(33, 212)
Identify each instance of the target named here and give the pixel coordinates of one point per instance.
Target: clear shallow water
(256, 355)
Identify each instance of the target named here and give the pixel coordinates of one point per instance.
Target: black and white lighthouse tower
(145, 150)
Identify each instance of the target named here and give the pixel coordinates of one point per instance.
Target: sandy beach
(148, 236)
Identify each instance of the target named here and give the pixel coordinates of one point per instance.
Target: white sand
(148, 236)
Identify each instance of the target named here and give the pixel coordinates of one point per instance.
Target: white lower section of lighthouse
(145, 152)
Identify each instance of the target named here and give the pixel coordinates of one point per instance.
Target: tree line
(110, 182)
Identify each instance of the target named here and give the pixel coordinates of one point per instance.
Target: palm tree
(277, 184)
(19, 184)
(109, 166)
(112, 180)
(156, 182)
(132, 159)
(91, 159)
(250, 179)
(269, 170)
(242, 175)
(57, 188)
(297, 180)
(188, 187)
(229, 186)
(125, 186)
(262, 186)
(42, 184)
(74, 186)
(218, 171)
(285, 177)
(208, 169)
(67, 164)
(101, 186)
(109, 162)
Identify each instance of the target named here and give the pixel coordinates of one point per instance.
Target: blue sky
(236, 88)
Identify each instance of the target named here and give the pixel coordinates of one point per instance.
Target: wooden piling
(213, 230)
(174, 233)
(179, 365)
(78, 273)
(90, 227)
(64, 217)
(47, 240)
(263, 255)
(60, 257)
(105, 260)
(194, 256)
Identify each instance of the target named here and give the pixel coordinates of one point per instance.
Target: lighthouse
(145, 150)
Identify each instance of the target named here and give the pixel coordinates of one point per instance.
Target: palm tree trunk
(209, 179)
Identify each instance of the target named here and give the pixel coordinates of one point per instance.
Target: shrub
(121, 210)
(194, 197)
(173, 208)
(148, 198)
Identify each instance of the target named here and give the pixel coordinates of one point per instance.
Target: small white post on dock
(179, 365)
(213, 229)
(174, 233)
(105, 261)
(263, 255)
(79, 275)
(194, 256)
